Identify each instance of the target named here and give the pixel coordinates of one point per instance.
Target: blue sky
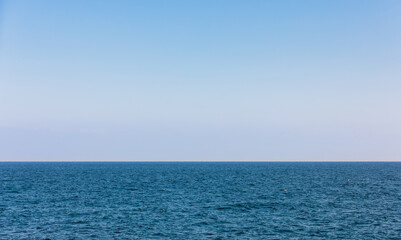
(200, 80)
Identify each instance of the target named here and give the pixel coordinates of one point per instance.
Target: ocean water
(200, 200)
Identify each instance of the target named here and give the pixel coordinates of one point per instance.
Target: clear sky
(200, 80)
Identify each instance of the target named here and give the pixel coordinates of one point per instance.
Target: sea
(200, 200)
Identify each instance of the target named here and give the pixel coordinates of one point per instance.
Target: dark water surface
(200, 201)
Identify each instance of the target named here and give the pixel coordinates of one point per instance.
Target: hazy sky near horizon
(200, 80)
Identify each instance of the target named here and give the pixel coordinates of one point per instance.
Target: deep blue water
(200, 201)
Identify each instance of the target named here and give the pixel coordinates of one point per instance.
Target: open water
(200, 200)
